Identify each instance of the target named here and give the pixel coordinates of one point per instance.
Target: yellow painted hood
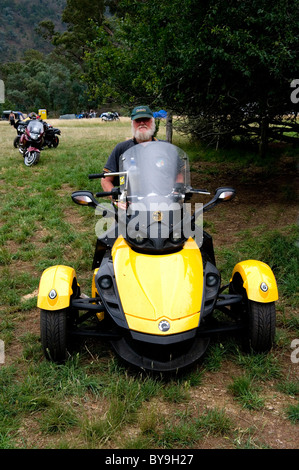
(157, 287)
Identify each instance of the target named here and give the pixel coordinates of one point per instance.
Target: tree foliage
(78, 16)
(53, 81)
(43, 82)
(18, 21)
(226, 66)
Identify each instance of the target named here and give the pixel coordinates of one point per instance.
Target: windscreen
(153, 169)
(35, 127)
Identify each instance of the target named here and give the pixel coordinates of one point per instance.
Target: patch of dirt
(268, 427)
(269, 201)
(28, 322)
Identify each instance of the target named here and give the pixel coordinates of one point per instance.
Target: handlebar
(114, 193)
(97, 175)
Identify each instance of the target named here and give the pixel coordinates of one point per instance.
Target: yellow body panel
(94, 293)
(59, 278)
(253, 274)
(93, 285)
(159, 287)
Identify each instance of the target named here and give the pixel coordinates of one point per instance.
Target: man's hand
(120, 205)
(107, 183)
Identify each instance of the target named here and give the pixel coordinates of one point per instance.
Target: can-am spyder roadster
(155, 285)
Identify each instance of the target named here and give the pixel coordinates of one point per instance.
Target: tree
(78, 16)
(44, 82)
(225, 66)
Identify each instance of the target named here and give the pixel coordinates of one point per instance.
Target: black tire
(56, 142)
(53, 334)
(31, 158)
(261, 327)
(260, 318)
(16, 142)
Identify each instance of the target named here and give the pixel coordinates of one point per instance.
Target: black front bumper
(157, 353)
(160, 357)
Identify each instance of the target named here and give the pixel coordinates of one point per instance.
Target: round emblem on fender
(164, 325)
(157, 216)
(264, 287)
(52, 294)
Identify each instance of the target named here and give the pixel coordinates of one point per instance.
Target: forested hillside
(226, 68)
(19, 19)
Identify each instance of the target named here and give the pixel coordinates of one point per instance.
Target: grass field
(230, 400)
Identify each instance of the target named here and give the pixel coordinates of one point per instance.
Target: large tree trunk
(169, 129)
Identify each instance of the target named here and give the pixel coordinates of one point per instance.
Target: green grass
(93, 401)
(292, 413)
(246, 393)
(261, 367)
(289, 387)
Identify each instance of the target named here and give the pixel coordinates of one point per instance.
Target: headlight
(105, 282)
(33, 136)
(212, 280)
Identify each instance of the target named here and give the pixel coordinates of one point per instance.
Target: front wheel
(261, 325)
(16, 142)
(31, 158)
(53, 334)
(55, 141)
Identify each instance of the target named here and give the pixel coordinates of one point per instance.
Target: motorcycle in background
(20, 126)
(51, 134)
(31, 142)
(110, 116)
(51, 138)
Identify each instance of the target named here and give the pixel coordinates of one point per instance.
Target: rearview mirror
(225, 194)
(84, 198)
(221, 194)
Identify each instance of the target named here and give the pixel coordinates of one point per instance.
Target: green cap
(141, 112)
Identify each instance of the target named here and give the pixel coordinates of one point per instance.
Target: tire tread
(262, 319)
(53, 334)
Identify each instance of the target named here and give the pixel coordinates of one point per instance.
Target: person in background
(11, 118)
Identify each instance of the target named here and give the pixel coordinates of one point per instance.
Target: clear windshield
(154, 169)
(35, 127)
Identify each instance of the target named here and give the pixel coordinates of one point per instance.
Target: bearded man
(143, 129)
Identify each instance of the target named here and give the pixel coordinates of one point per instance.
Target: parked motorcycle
(51, 138)
(20, 126)
(31, 142)
(156, 292)
(110, 116)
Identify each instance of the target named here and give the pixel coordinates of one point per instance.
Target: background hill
(18, 22)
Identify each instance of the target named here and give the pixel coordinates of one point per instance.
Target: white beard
(144, 136)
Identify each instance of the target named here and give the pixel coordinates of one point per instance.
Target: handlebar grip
(103, 194)
(114, 193)
(97, 175)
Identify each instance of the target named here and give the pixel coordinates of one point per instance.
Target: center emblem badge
(164, 325)
(157, 216)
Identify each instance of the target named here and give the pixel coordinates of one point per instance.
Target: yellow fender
(56, 288)
(258, 280)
